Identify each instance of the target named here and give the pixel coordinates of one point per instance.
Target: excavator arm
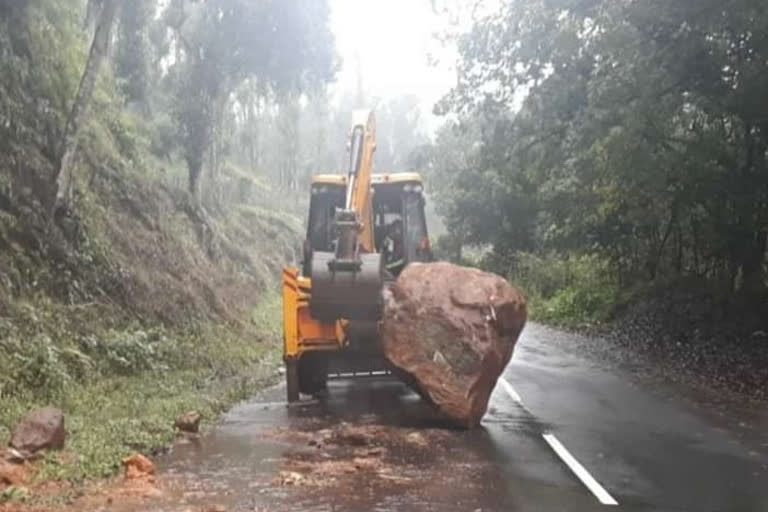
(346, 283)
(359, 191)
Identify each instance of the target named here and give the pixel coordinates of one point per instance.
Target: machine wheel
(292, 380)
(313, 373)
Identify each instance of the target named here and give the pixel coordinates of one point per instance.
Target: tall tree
(68, 147)
(289, 142)
(287, 45)
(399, 131)
(133, 56)
(642, 132)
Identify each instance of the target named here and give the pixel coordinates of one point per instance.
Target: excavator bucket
(349, 289)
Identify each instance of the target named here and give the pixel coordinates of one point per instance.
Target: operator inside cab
(394, 248)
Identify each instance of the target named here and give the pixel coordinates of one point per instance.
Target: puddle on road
(372, 447)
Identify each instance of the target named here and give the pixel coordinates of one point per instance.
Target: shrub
(568, 290)
(127, 352)
(33, 365)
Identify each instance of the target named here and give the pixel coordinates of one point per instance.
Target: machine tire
(313, 373)
(292, 380)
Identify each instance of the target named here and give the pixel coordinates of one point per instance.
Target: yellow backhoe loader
(363, 229)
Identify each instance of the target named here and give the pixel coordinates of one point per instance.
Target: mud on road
(372, 445)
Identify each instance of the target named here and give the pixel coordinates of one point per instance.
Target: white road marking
(600, 493)
(511, 391)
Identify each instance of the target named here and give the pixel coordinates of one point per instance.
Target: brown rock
(351, 439)
(189, 422)
(39, 430)
(365, 463)
(416, 438)
(452, 330)
(13, 474)
(290, 478)
(376, 451)
(138, 466)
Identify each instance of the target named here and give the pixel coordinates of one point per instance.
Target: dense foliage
(124, 299)
(154, 163)
(632, 131)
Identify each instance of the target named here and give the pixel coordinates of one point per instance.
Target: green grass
(111, 416)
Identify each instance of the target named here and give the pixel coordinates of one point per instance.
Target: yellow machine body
(314, 340)
(362, 229)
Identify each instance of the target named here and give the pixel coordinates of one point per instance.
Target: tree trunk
(751, 241)
(655, 262)
(695, 249)
(195, 168)
(679, 250)
(210, 189)
(254, 115)
(753, 257)
(68, 147)
(91, 11)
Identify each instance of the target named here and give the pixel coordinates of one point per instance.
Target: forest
(155, 159)
(600, 146)
(609, 157)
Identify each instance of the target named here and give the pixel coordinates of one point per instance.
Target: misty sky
(391, 42)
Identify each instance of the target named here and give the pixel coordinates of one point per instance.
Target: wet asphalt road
(647, 446)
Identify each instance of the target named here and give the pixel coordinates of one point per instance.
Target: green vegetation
(138, 267)
(574, 291)
(122, 388)
(621, 143)
(154, 157)
(123, 397)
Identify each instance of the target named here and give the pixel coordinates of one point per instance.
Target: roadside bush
(33, 365)
(43, 366)
(578, 304)
(574, 290)
(121, 387)
(127, 352)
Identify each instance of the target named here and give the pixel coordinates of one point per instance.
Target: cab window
(416, 240)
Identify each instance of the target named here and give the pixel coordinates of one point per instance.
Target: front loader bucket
(351, 292)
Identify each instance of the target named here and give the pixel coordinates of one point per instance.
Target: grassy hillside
(137, 304)
(136, 307)
(128, 300)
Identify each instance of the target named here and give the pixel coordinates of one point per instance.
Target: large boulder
(452, 330)
(40, 429)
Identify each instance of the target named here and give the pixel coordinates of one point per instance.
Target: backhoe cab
(362, 230)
